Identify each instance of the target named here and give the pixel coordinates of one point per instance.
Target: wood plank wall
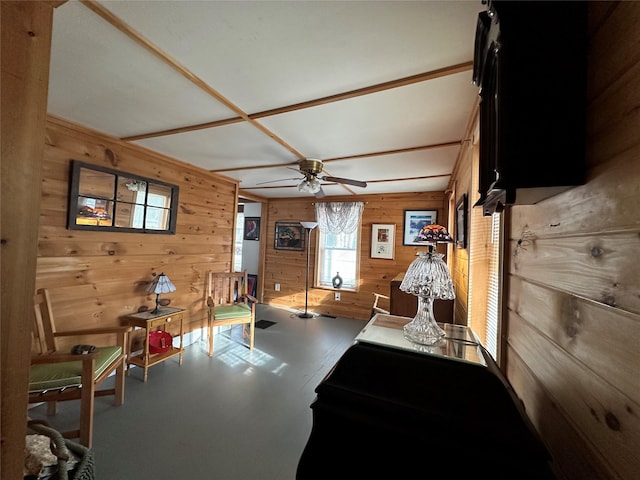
(289, 267)
(572, 317)
(96, 278)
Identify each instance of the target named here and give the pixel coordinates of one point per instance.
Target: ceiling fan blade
(347, 181)
(280, 180)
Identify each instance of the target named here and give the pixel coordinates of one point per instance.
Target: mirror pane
(94, 211)
(157, 218)
(131, 190)
(94, 183)
(159, 195)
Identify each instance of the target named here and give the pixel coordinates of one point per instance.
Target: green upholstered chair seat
(225, 312)
(51, 376)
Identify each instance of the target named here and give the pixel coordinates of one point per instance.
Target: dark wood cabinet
(530, 63)
(405, 305)
(390, 410)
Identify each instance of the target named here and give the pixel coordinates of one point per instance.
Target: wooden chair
(57, 376)
(375, 308)
(230, 304)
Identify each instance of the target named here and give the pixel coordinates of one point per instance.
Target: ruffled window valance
(339, 217)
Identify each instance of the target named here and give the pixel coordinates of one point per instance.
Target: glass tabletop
(459, 343)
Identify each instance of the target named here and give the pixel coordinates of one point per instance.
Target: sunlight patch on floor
(235, 354)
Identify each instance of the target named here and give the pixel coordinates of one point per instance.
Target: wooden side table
(151, 321)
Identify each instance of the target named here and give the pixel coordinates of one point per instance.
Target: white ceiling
(136, 69)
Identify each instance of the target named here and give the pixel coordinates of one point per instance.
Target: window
(338, 254)
(338, 244)
(485, 266)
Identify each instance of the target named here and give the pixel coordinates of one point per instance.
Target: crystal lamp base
(423, 329)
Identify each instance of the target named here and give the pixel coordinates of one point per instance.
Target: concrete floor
(241, 415)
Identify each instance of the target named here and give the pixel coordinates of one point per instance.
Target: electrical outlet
(337, 295)
(277, 287)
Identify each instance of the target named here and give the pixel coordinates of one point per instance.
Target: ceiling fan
(311, 170)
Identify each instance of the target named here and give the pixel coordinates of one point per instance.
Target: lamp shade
(433, 233)
(309, 225)
(161, 284)
(428, 276)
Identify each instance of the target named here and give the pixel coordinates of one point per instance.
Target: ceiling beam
(455, 143)
(402, 179)
(400, 82)
(184, 71)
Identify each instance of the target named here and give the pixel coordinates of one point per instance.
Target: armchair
(229, 303)
(57, 376)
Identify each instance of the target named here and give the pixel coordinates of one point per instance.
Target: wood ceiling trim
(350, 157)
(184, 71)
(424, 177)
(190, 128)
(401, 82)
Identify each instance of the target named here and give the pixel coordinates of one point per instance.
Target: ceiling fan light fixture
(309, 185)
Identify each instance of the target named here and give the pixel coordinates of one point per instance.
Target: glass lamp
(428, 278)
(160, 284)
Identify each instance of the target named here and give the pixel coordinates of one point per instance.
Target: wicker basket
(60, 447)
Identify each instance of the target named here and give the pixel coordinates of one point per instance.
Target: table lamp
(160, 284)
(428, 278)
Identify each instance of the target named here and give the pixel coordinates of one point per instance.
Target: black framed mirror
(103, 199)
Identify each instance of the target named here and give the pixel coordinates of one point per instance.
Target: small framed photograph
(289, 236)
(414, 220)
(461, 222)
(382, 240)
(252, 228)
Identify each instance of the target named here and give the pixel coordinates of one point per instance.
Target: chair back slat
(44, 326)
(226, 288)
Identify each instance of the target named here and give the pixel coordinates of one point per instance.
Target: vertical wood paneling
(96, 278)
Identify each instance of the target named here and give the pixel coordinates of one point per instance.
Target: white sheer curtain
(339, 217)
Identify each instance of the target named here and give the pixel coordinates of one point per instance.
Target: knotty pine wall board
(96, 278)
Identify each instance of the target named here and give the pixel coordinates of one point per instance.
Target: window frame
(319, 262)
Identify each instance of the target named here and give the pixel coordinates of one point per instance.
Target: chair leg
(87, 394)
(210, 329)
(119, 393)
(252, 330)
(52, 408)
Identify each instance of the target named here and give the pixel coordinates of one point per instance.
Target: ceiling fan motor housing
(311, 166)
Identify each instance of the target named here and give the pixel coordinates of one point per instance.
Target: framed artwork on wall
(382, 240)
(252, 228)
(289, 236)
(461, 222)
(414, 220)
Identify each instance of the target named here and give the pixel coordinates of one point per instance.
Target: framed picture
(252, 228)
(252, 282)
(461, 222)
(414, 220)
(289, 236)
(382, 240)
